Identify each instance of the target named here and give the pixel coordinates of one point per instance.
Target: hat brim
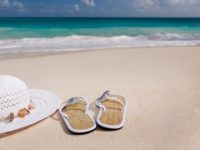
(46, 104)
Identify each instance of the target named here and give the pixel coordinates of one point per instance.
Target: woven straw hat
(20, 106)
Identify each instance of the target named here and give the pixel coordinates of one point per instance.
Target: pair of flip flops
(112, 113)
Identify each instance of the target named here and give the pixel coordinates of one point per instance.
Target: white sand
(162, 86)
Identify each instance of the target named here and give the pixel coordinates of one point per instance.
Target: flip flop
(112, 111)
(75, 114)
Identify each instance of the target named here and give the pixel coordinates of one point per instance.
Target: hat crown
(13, 95)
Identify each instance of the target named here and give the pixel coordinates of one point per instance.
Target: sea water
(75, 34)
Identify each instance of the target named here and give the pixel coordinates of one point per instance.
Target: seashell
(10, 117)
(31, 105)
(23, 112)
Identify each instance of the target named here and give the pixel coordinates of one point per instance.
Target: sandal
(112, 111)
(75, 113)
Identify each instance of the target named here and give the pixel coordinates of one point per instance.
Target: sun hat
(21, 107)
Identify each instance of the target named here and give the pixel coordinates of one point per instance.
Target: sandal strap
(106, 95)
(73, 100)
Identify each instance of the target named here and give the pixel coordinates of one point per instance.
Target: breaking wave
(79, 42)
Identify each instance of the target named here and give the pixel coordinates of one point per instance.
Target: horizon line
(94, 17)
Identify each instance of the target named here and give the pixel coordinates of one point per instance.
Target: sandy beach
(162, 86)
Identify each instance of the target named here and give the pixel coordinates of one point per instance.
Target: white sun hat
(21, 107)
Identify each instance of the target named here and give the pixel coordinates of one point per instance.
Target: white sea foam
(77, 43)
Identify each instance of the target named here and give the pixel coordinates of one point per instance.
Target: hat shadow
(3, 135)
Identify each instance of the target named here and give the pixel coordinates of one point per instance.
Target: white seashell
(31, 106)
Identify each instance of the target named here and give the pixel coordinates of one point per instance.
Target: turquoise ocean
(74, 34)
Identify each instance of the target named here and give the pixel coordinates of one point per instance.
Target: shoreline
(20, 55)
